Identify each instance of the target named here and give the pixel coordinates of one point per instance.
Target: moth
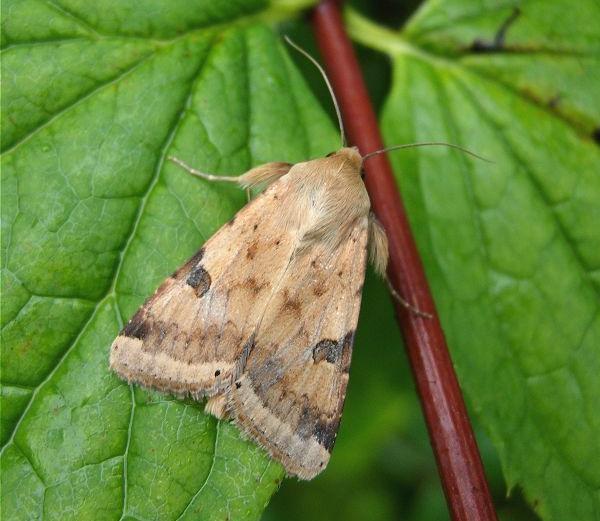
(261, 320)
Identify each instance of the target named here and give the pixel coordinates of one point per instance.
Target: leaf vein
(212, 467)
(78, 102)
(536, 184)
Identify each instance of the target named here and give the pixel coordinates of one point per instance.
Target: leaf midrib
(208, 475)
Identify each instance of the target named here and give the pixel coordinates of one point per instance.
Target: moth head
(350, 156)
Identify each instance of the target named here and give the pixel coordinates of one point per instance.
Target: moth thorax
(351, 157)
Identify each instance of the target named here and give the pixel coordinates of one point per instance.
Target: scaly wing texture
(291, 393)
(193, 335)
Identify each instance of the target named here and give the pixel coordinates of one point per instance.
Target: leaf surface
(512, 250)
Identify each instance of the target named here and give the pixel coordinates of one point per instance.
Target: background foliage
(96, 95)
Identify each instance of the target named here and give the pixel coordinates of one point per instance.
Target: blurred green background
(382, 467)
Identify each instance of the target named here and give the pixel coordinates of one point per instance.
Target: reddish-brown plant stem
(452, 439)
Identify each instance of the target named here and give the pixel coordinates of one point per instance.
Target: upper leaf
(96, 96)
(512, 250)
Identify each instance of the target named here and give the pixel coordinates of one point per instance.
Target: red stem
(452, 439)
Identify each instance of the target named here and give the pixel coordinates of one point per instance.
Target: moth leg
(215, 406)
(378, 255)
(378, 245)
(262, 175)
(208, 177)
(404, 302)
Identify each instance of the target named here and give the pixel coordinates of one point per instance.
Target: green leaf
(512, 250)
(96, 95)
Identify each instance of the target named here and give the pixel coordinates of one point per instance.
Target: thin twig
(450, 431)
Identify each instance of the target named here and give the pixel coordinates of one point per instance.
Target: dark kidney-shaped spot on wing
(200, 280)
(335, 351)
(327, 349)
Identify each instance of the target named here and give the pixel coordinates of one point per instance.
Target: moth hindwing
(261, 320)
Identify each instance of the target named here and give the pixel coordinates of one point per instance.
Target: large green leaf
(512, 250)
(95, 96)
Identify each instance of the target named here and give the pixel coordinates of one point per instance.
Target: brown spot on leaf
(554, 101)
(200, 280)
(498, 44)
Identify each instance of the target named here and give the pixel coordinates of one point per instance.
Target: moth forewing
(186, 338)
(262, 319)
(291, 393)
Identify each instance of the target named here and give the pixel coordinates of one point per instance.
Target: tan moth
(261, 320)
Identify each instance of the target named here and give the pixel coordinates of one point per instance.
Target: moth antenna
(327, 82)
(425, 144)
